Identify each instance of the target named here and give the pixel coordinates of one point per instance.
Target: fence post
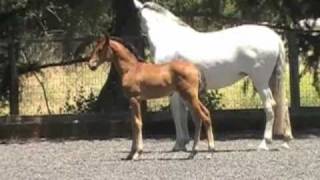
(14, 85)
(294, 70)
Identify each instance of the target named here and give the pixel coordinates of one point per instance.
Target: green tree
(76, 18)
(22, 19)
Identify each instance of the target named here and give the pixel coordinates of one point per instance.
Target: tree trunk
(127, 26)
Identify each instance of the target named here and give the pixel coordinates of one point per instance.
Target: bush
(212, 100)
(80, 103)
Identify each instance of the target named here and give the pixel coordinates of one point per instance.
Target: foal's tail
(202, 92)
(202, 85)
(282, 125)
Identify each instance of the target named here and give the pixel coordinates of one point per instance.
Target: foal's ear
(107, 39)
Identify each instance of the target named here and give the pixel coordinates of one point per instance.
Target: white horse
(225, 57)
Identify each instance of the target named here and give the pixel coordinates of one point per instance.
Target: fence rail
(116, 124)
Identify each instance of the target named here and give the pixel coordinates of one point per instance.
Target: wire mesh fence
(58, 87)
(309, 97)
(65, 88)
(58, 90)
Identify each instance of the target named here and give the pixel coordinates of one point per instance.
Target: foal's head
(101, 53)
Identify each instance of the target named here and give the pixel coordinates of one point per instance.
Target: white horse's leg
(268, 103)
(288, 132)
(180, 117)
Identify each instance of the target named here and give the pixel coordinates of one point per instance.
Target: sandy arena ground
(236, 158)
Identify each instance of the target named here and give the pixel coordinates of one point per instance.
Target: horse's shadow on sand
(190, 152)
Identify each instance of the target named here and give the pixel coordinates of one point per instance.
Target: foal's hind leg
(202, 115)
(197, 129)
(137, 144)
(209, 127)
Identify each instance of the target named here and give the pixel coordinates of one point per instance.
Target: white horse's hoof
(192, 154)
(285, 145)
(209, 156)
(180, 146)
(263, 146)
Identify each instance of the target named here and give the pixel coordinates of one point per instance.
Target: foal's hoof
(211, 148)
(268, 140)
(192, 154)
(209, 156)
(288, 138)
(134, 156)
(263, 148)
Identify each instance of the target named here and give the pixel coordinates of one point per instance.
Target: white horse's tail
(138, 4)
(282, 125)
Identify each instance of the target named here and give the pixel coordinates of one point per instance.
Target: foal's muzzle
(92, 65)
(92, 68)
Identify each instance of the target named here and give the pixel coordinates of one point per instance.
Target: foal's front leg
(137, 144)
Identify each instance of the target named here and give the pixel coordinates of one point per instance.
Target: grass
(63, 84)
(308, 95)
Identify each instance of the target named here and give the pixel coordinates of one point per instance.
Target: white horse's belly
(217, 78)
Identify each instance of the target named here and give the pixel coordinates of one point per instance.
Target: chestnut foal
(142, 81)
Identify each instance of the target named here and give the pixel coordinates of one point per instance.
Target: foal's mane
(129, 46)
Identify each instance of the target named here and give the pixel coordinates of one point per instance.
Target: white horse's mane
(164, 12)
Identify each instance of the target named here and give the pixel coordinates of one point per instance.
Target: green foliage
(212, 100)
(11, 5)
(230, 9)
(164, 107)
(80, 103)
(4, 107)
(36, 17)
(23, 19)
